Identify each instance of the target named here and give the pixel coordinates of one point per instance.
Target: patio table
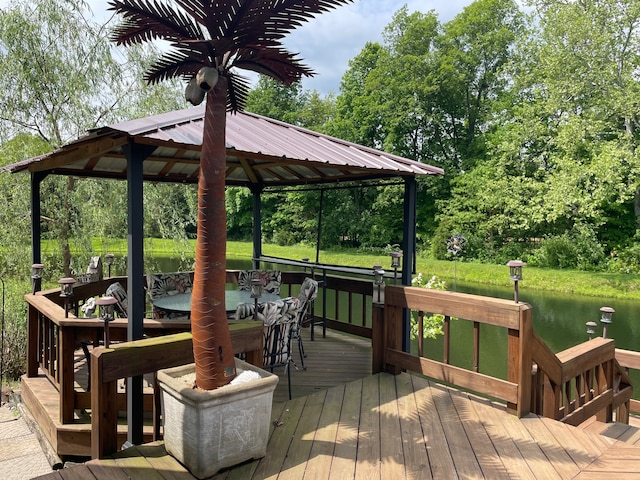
(181, 302)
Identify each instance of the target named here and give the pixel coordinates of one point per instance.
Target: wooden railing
(629, 360)
(141, 357)
(570, 386)
(515, 317)
(580, 382)
(54, 339)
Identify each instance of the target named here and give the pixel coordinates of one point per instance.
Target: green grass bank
(606, 285)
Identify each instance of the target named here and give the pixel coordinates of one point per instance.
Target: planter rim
(170, 377)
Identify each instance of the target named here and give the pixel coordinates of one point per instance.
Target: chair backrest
(271, 279)
(118, 292)
(308, 293)
(279, 318)
(163, 284)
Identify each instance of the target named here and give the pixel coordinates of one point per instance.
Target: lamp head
(106, 307)
(515, 270)
(66, 286)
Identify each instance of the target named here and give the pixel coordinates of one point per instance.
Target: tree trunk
(215, 365)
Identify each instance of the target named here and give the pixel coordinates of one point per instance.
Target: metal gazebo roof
(260, 151)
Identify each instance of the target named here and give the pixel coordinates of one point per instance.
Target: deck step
(618, 431)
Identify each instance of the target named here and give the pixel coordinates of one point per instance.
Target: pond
(558, 318)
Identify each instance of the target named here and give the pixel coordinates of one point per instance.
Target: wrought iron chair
(163, 284)
(308, 293)
(278, 319)
(271, 280)
(118, 292)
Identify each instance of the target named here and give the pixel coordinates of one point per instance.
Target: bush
(626, 260)
(432, 325)
(578, 249)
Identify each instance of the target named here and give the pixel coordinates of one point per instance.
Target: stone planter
(210, 430)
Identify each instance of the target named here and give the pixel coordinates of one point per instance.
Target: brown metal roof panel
(146, 125)
(111, 164)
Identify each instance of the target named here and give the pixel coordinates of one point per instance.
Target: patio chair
(278, 319)
(163, 284)
(118, 292)
(306, 297)
(272, 279)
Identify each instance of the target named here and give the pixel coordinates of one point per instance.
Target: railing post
(377, 338)
(65, 369)
(33, 350)
(104, 410)
(393, 321)
(520, 343)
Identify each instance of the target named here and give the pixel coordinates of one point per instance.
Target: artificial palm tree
(208, 40)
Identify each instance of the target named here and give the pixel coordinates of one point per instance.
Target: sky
(327, 42)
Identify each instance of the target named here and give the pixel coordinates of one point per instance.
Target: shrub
(626, 260)
(432, 325)
(578, 249)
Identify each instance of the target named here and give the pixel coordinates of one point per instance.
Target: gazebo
(261, 153)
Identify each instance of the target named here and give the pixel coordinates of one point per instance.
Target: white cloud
(329, 41)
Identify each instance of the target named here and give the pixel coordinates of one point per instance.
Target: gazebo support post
(135, 155)
(409, 250)
(257, 225)
(36, 229)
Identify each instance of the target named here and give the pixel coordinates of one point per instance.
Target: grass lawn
(607, 285)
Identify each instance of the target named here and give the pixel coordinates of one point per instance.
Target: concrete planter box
(210, 430)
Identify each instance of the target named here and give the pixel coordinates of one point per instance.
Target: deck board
(383, 426)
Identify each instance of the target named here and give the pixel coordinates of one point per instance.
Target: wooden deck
(345, 423)
(330, 361)
(403, 426)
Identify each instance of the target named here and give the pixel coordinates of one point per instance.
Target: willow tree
(208, 40)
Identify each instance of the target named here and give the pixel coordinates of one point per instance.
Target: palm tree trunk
(215, 365)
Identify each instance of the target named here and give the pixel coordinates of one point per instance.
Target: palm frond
(176, 63)
(271, 19)
(237, 93)
(145, 20)
(276, 63)
(249, 20)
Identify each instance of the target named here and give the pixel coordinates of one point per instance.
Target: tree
(209, 40)
(58, 78)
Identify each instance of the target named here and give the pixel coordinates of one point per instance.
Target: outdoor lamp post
(256, 292)
(106, 307)
(591, 329)
(378, 280)
(515, 274)
(66, 290)
(396, 255)
(36, 277)
(607, 313)
(109, 258)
